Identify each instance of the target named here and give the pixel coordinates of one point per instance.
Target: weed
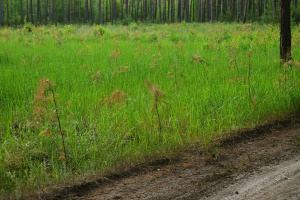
(157, 96)
(64, 156)
(117, 97)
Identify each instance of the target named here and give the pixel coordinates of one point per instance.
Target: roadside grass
(128, 94)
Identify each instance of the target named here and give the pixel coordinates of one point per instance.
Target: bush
(126, 21)
(296, 16)
(28, 27)
(99, 30)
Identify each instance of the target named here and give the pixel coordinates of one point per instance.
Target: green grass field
(130, 94)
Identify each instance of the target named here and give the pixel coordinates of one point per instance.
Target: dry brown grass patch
(117, 97)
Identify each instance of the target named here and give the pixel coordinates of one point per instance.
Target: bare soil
(263, 163)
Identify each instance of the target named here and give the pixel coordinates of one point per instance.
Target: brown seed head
(116, 97)
(41, 100)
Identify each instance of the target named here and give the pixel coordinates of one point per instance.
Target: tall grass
(205, 75)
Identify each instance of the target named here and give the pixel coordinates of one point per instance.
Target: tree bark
(86, 11)
(274, 9)
(245, 11)
(91, 11)
(38, 11)
(285, 31)
(21, 11)
(100, 12)
(31, 11)
(1, 12)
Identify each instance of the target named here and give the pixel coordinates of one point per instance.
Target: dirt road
(258, 164)
(274, 182)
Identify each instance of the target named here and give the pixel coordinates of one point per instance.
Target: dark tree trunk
(245, 11)
(91, 11)
(27, 10)
(38, 11)
(127, 8)
(100, 12)
(187, 10)
(47, 11)
(53, 12)
(69, 11)
(106, 11)
(179, 16)
(86, 11)
(113, 11)
(31, 11)
(285, 31)
(165, 11)
(21, 10)
(274, 9)
(1, 12)
(65, 11)
(172, 11)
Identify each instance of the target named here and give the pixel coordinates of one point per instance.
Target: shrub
(99, 30)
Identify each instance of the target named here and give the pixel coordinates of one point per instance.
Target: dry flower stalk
(157, 95)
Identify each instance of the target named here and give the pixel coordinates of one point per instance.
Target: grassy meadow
(129, 94)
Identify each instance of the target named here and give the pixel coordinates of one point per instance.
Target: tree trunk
(274, 9)
(91, 11)
(86, 11)
(285, 31)
(21, 10)
(47, 11)
(211, 11)
(53, 12)
(38, 11)
(100, 12)
(179, 16)
(31, 11)
(69, 11)
(245, 11)
(1, 12)
(127, 8)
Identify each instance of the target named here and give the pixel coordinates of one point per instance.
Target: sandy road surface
(258, 164)
(274, 182)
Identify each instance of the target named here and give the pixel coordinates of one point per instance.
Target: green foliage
(28, 27)
(99, 30)
(108, 87)
(296, 16)
(126, 21)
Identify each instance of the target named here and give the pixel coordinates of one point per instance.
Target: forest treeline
(15, 12)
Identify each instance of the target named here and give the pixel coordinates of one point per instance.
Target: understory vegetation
(83, 100)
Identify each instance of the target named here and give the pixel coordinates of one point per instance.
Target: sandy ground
(259, 164)
(274, 182)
